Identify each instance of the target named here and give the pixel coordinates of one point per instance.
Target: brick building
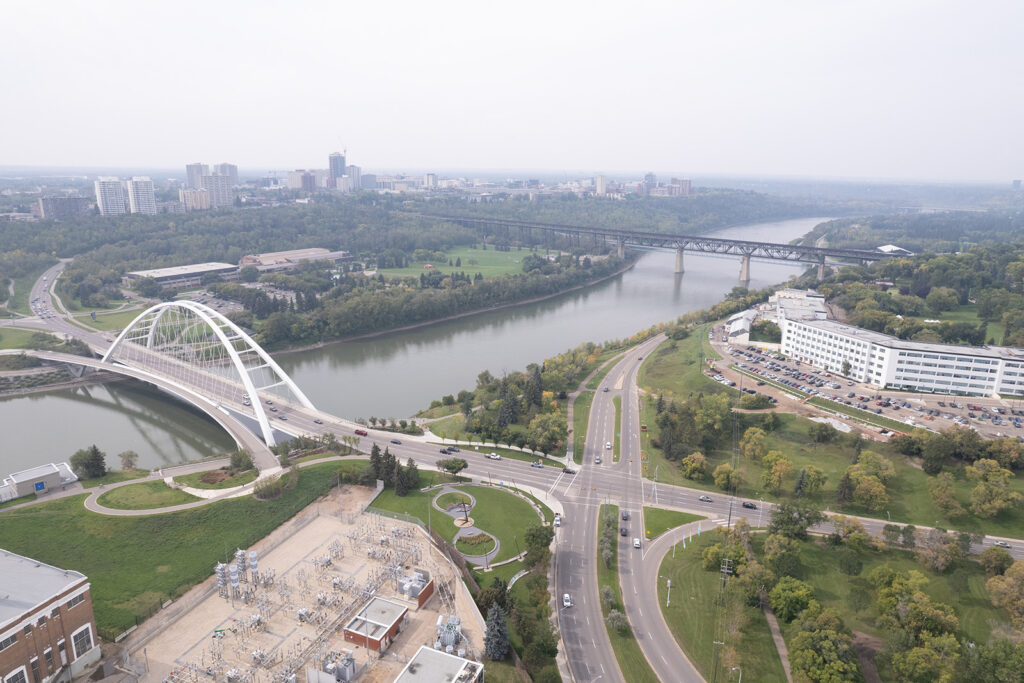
(376, 625)
(47, 629)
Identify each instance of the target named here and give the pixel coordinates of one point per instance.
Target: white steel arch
(206, 353)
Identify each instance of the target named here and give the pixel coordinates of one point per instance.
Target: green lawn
(438, 411)
(580, 420)
(693, 615)
(449, 427)
(417, 504)
(549, 516)
(18, 501)
(675, 368)
(628, 654)
(113, 477)
(968, 313)
(12, 338)
(659, 520)
(136, 563)
(616, 443)
(452, 498)
(490, 263)
(195, 481)
(466, 547)
(109, 321)
(502, 672)
(144, 496)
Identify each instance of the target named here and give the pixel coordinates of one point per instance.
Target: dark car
(568, 470)
(453, 449)
(445, 451)
(396, 441)
(318, 421)
(749, 506)
(623, 531)
(625, 516)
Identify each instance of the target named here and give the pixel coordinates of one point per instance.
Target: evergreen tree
(496, 642)
(89, 463)
(801, 484)
(376, 461)
(844, 491)
(387, 469)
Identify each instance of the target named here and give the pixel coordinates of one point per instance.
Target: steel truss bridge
(745, 249)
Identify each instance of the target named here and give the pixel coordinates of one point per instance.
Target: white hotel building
(886, 361)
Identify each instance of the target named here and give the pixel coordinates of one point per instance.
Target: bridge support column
(622, 249)
(745, 268)
(679, 260)
(821, 270)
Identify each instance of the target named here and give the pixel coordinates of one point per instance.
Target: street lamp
(736, 668)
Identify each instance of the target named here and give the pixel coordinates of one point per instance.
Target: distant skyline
(912, 90)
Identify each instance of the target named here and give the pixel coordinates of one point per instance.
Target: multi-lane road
(578, 495)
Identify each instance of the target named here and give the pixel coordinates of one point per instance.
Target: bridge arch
(207, 355)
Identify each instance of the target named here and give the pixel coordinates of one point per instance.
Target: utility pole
(668, 595)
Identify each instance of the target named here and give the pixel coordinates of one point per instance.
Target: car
(1001, 544)
(705, 499)
(317, 420)
(537, 463)
(397, 442)
(597, 459)
(246, 402)
(568, 470)
(605, 389)
(273, 409)
(558, 519)
(625, 515)
(636, 542)
(566, 600)
(749, 505)
(493, 456)
(269, 402)
(640, 358)
(607, 445)
(445, 451)
(623, 531)
(361, 432)
(453, 449)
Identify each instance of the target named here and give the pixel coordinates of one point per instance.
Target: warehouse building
(36, 480)
(182, 277)
(47, 629)
(435, 666)
(283, 260)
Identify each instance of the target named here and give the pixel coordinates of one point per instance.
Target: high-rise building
(56, 208)
(230, 170)
(302, 180)
(354, 173)
(194, 200)
(600, 185)
(141, 196)
(195, 172)
(430, 180)
(219, 187)
(110, 198)
(336, 168)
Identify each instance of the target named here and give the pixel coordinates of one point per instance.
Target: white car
(566, 600)
(494, 456)
(1001, 544)
(607, 445)
(636, 542)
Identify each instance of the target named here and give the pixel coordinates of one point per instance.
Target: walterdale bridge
(744, 249)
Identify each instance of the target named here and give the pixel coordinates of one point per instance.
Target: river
(392, 375)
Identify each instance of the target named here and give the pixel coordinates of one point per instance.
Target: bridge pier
(821, 270)
(622, 249)
(745, 268)
(679, 261)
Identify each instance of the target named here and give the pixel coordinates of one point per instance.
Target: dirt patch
(867, 647)
(215, 476)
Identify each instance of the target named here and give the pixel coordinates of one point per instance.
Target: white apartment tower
(195, 172)
(141, 196)
(219, 187)
(600, 185)
(110, 197)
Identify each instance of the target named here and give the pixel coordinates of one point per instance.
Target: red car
(361, 432)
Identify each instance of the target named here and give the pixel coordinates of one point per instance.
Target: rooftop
(376, 617)
(34, 473)
(180, 271)
(1005, 352)
(28, 583)
(434, 666)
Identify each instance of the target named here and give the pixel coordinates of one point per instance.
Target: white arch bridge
(201, 357)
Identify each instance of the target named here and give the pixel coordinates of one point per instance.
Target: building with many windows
(47, 629)
(182, 277)
(193, 172)
(141, 196)
(228, 170)
(56, 208)
(110, 197)
(219, 187)
(886, 361)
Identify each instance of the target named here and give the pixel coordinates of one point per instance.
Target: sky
(894, 89)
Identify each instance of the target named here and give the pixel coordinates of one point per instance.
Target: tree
(496, 641)
(537, 540)
(850, 562)
(241, 461)
(752, 444)
(694, 466)
(89, 463)
(1008, 591)
(793, 519)
(935, 451)
(821, 651)
(450, 465)
(870, 492)
(995, 560)
(789, 597)
(938, 550)
(129, 460)
(942, 299)
(844, 490)
(617, 620)
(607, 596)
(932, 660)
(891, 535)
(776, 468)
(846, 368)
(908, 536)
(1000, 660)
(782, 554)
(943, 493)
(814, 479)
(547, 431)
(992, 495)
(822, 432)
(727, 478)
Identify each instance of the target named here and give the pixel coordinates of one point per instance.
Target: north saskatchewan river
(392, 375)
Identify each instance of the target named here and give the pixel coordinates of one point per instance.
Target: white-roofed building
(435, 666)
(39, 479)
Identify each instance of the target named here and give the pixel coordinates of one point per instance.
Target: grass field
(11, 338)
(453, 498)
(675, 372)
(145, 496)
(195, 481)
(453, 427)
(659, 520)
(480, 545)
(113, 477)
(549, 516)
(136, 563)
(616, 443)
(627, 651)
(489, 263)
(438, 411)
(968, 313)
(580, 419)
(692, 616)
(18, 501)
(505, 516)
(109, 321)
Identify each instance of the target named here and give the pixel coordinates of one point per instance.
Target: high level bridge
(745, 249)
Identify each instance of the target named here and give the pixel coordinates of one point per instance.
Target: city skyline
(917, 91)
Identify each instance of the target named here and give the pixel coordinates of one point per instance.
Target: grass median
(580, 420)
(617, 402)
(659, 520)
(147, 495)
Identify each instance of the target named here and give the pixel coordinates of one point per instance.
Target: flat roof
(34, 472)
(28, 583)
(433, 666)
(181, 271)
(376, 617)
(1005, 352)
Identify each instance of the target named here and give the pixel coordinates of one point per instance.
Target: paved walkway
(456, 512)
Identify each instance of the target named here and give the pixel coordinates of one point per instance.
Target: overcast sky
(918, 89)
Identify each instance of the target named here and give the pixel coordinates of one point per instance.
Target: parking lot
(992, 418)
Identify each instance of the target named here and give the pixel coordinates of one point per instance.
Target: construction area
(336, 594)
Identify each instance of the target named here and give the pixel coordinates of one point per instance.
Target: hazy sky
(889, 89)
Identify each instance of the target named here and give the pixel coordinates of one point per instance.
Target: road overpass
(744, 249)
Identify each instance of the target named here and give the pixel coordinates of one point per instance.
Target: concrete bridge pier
(679, 261)
(821, 270)
(622, 249)
(745, 268)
